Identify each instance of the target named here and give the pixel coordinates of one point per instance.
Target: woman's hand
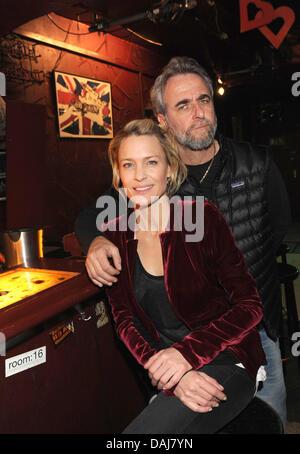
(199, 392)
(166, 367)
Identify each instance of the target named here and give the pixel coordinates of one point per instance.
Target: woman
(186, 310)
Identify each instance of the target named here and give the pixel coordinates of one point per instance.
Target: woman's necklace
(208, 168)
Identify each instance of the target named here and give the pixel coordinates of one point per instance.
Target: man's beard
(188, 140)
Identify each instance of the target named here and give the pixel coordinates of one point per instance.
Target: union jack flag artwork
(84, 107)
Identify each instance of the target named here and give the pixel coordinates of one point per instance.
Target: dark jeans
(168, 415)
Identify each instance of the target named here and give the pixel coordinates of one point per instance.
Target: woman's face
(143, 168)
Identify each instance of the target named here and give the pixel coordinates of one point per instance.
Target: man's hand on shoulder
(98, 264)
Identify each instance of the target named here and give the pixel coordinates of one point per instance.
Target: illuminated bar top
(48, 287)
(21, 283)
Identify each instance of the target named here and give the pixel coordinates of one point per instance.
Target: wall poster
(84, 107)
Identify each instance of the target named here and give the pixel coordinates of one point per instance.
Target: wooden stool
(287, 275)
(257, 418)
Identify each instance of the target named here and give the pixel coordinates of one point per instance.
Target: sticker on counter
(61, 332)
(25, 361)
(101, 312)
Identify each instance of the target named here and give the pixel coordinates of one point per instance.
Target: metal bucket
(21, 245)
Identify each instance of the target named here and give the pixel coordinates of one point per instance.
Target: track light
(221, 87)
(221, 90)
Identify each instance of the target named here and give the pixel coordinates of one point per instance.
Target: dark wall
(77, 171)
(264, 110)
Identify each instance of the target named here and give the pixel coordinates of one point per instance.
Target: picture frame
(84, 107)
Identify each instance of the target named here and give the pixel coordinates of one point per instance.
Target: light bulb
(221, 91)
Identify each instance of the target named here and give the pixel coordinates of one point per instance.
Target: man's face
(190, 111)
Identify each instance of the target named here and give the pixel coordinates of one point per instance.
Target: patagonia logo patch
(237, 184)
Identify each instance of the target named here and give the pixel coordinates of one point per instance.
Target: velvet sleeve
(245, 308)
(125, 329)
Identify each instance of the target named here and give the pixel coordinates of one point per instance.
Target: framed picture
(84, 107)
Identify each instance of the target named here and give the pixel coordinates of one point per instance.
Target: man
(241, 180)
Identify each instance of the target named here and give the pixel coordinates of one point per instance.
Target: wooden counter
(35, 309)
(64, 370)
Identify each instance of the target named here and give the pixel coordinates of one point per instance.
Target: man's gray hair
(177, 65)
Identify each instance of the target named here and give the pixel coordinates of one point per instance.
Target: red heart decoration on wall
(288, 16)
(264, 15)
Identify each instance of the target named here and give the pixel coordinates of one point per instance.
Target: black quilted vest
(240, 192)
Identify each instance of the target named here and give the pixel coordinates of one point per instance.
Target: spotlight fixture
(221, 85)
(166, 11)
(170, 11)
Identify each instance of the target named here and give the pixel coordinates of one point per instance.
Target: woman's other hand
(199, 392)
(166, 367)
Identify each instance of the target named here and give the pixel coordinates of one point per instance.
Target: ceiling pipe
(102, 24)
(159, 12)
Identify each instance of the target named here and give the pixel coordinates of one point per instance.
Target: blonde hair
(147, 127)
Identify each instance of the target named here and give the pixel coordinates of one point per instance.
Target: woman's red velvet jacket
(196, 274)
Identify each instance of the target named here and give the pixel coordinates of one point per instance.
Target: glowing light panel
(21, 283)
